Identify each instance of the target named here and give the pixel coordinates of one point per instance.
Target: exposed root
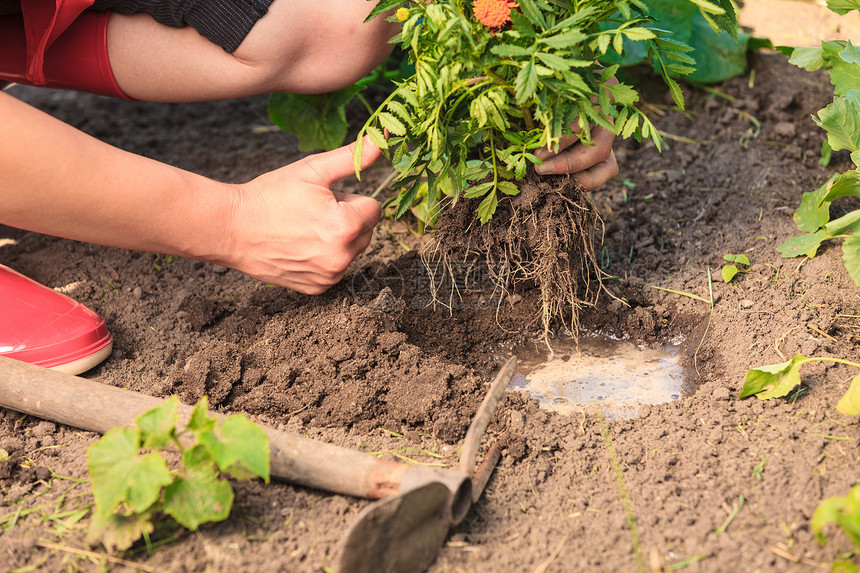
(543, 238)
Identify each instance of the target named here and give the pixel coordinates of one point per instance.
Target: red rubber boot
(46, 328)
(65, 50)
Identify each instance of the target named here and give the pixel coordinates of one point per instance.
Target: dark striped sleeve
(223, 22)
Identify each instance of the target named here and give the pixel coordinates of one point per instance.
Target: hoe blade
(399, 534)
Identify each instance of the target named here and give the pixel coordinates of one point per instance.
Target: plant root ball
(541, 238)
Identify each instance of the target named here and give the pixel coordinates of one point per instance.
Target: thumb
(334, 165)
(366, 208)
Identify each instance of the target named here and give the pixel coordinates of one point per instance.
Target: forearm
(59, 181)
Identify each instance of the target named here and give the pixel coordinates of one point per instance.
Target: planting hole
(616, 377)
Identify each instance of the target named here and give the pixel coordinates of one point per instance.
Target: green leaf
(476, 191)
(729, 272)
(842, 122)
(849, 222)
(120, 474)
(738, 259)
(200, 420)
(511, 51)
(119, 532)
(508, 188)
(377, 137)
(553, 61)
(391, 123)
(849, 404)
(803, 245)
(851, 256)
(845, 185)
(533, 13)
(622, 94)
(239, 447)
(198, 496)
(487, 208)
(842, 7)
(319, 121)
(638, 34)
(565, 40)
(526, 82)
(773, 381)
(813, 211)
(158, 426)
(808, 58)
(718, 56)
(843, 511)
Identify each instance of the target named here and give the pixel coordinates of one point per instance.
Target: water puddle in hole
(616, 377)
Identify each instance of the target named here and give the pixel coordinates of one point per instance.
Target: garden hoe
(401, 533)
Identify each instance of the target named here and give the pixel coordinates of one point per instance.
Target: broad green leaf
(844, 76)
(849, 222)
(239, 446)
(851, 256)
(739, 259)
(841, 121)
(318, 121)
(846, 185)
(843, 511)
(849, 404)
(718, 56)
(198, 496)
(803, 245)
(813, 211)
(729, 272)
(158, 426)
(773, 381)
(850, 54)
(808, 58)
(842, 7)
(119, 532)
(120, 474)
(200, 420)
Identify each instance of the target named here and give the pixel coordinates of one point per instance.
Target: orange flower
(493, 13)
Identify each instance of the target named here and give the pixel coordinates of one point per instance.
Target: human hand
(590, 166)
(290, 229)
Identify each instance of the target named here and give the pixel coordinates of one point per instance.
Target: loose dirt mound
(373, 365)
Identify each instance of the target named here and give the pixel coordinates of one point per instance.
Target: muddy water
(615, 377)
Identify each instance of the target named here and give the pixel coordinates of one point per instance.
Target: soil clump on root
(542, 238)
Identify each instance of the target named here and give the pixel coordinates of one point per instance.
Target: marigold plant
(495, 80)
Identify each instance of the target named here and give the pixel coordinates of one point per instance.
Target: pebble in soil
(615, 377)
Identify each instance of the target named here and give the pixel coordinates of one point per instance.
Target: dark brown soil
(372, 365)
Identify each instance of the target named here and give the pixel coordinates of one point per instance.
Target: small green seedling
(133, 483)
(737, 264)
